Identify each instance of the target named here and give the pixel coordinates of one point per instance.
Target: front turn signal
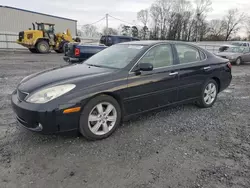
(71, 110)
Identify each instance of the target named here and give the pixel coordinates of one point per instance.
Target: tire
(89, 128)
(32, 50)
(238, 61)
(62, 47)
(43, 47)
(208, 97)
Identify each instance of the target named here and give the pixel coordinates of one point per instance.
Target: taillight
(77, 51)
(229, 65)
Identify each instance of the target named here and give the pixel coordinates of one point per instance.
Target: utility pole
(107, 24)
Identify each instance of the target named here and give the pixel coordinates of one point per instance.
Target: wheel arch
(111, 94)
(218, 82)
(42, 39)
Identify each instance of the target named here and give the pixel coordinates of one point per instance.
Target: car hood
(60, 75)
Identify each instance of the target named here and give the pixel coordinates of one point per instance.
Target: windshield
(235, 49)
(117, 56)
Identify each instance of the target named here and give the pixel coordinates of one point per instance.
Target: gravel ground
(178, 147)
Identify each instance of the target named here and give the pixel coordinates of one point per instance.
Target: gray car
(237, 55)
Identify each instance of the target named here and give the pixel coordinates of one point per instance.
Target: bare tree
(110, 31)
(247, 23)
(143, 16)
(202, 8)
(216, 30)
(155, 15)
(89, 31)
(233, 20)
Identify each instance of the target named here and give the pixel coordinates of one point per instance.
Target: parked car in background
(237, 55)
(121, 81)
(236, 43)
(77, 53)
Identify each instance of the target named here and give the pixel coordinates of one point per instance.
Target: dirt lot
(178, 147)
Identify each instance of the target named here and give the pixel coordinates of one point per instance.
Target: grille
(21, 36)
(21, 95)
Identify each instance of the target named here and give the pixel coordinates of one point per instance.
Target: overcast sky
(89, 11)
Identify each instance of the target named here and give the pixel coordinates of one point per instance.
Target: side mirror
(146, 66)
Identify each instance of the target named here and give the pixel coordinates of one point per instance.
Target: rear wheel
(42, 47)
(208, 94)
(32, 50)
(100, 117)
(238, 61)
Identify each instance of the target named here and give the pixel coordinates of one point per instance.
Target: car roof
(153, 42)
(121, 36)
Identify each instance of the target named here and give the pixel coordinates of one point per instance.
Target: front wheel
(238, 61)
(43, 47)
(100, 117)
(209, 94)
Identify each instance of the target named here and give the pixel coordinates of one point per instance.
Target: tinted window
(187, 54)
(159, 56)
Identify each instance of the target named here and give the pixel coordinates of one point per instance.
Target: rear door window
(188, 54)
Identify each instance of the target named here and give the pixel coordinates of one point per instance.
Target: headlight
(49, 94)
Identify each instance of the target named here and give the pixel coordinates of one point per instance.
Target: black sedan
(121, 81)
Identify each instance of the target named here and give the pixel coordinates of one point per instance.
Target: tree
(143, 16)
(110, 31)
(217, 27)
(143, 32)
(247, 23)
(202, 8)
(155, 14)
(89, 31)
(79, 32)
(126, 30)
(233, 20)
(134, 31)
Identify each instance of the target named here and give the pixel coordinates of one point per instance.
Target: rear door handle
(206, 68)
(173, 73)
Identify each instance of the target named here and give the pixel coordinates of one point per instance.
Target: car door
(246, 55)
(153, 89)
(193, 71)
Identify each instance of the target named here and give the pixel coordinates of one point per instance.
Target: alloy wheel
(210, 93)
(102, 118)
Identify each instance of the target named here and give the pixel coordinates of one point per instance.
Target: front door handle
(206, 68)
(173, 73)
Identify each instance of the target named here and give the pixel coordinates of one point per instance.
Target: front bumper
(35, 118)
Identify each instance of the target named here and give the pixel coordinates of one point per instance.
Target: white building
(14, 20)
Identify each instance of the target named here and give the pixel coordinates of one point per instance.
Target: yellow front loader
(43, 39)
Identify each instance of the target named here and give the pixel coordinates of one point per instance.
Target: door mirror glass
(146, 67)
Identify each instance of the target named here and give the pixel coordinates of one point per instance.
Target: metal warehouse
(14, 20)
